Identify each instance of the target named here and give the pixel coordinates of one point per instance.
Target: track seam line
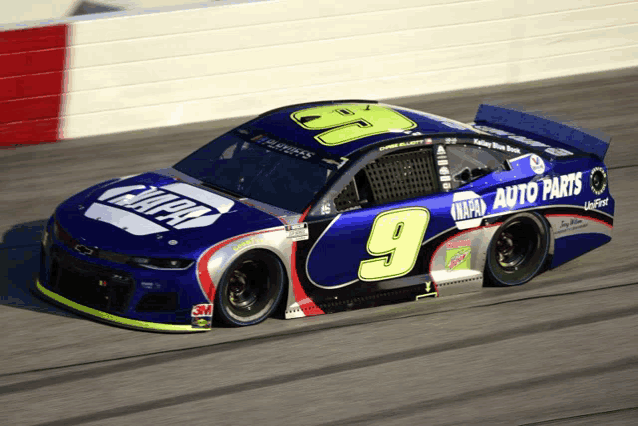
(282, 336)
(219, 347)
(579, 416)
(286, 379)
(420, 406)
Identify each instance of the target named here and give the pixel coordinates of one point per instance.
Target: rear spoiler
(563, 134)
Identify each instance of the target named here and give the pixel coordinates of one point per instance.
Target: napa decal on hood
(147, 209)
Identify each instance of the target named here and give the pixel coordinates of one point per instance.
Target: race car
(329, 206)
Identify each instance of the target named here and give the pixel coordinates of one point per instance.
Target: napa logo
(143, 210)
(467, 209)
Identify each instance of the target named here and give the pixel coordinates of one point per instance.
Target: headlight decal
(156, 263)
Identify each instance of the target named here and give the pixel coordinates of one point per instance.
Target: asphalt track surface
(560, 350)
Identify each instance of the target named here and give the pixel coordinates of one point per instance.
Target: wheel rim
(514, 246)
(249, 288)
(240, 291)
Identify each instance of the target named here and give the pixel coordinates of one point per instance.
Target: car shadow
(19, 265)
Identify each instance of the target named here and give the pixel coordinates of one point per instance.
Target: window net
(347, 198)
(401, 176)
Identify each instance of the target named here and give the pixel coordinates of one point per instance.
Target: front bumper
(110, 318)
(118, 294)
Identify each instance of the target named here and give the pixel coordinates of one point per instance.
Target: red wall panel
(31, 84)
(33, 39)
(28, 109)
(32, 62)
(28, 86)
(22, 131)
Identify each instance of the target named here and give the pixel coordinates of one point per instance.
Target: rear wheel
(250, 289)
(518, 250)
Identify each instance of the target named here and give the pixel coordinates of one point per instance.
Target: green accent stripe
(114, 318)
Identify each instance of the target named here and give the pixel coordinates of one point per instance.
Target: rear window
(470, 162)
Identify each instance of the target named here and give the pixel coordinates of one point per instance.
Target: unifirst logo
(597, 203)
(527, 193)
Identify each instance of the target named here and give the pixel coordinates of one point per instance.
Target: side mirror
(464, 175)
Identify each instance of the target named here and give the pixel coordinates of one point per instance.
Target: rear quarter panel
(560, 190)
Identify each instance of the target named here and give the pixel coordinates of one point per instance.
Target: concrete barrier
(143, 71)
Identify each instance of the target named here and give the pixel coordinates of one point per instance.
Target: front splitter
(105, 317)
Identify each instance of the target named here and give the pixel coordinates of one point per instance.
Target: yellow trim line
(126, 322)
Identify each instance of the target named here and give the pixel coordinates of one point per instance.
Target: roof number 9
(349, 122)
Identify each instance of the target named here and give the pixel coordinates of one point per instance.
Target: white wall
(144, 71)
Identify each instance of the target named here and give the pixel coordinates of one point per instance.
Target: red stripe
(31, 84)
(307, 305)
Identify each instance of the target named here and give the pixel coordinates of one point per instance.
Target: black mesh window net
(347, 198)
(401, 176)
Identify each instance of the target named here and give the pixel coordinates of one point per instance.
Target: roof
(339, 128)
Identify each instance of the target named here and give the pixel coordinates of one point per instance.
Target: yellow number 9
(349, 122)
(397, 236)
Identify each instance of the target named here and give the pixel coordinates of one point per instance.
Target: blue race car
(325, 207)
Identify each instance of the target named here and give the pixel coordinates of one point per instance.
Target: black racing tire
(518, 250)
(250, 289)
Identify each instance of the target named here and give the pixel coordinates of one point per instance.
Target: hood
(157, 215)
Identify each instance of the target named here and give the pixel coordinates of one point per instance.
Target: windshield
(272, 175)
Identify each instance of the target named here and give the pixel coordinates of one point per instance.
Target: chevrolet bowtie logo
(82, 249)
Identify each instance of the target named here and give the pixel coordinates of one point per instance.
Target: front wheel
(250, 289)
(518, 250)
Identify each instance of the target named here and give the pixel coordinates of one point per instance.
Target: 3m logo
(204, 310)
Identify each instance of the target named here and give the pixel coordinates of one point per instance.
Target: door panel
(368, 245)
(362, 248)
